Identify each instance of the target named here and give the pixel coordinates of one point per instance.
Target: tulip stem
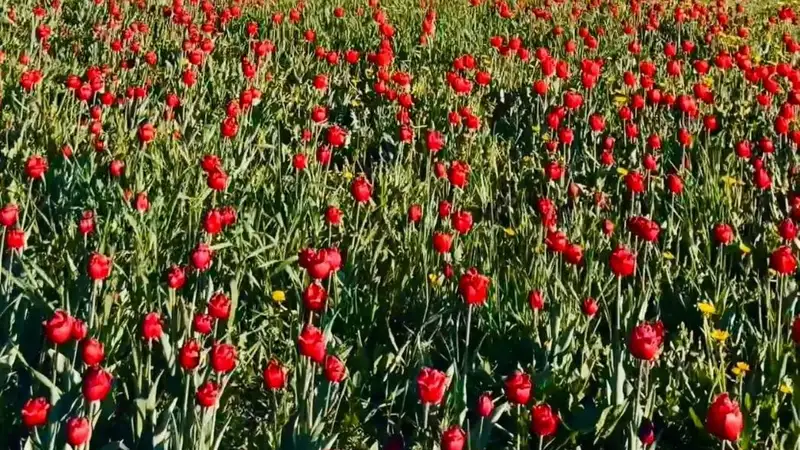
(466, 343)
(619, 380)
(425, 413)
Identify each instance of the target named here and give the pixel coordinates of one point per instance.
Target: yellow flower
(786, 388)
(510, 232)
(348, 175)
(720, 336)
(729, 181)
(740, 369)
(278, 296)
(668, 256)
(744, 248)
(707, 308)
(435, 279)
(622, 171)
(620, 100)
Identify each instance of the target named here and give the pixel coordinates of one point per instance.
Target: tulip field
(399, 224)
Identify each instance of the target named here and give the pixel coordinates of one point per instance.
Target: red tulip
(485, 405)
(92, 352)
(274, 376)
(96, 384)
(223, 358)
(723, 234)
(78, 431)
(622, 262)
(458, 174)
(311, 343)
(453, 438)
(461, 221)
(219, 306)
(361, 189)
(535, 300)
(589, 307)
(207, 394)
(314, 297)
(783, 261)
(334, 369)
(35, 411)
(431, 385)
(518, 388)
(58, 328)
(544, 422)
(99, 267)
(202, 257)
(152, 327)
(724, 419)
(646, 340)
(474, 287)
(189, 356)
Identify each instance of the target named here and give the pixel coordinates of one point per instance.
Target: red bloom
(219, 306)
(484, 406)
(453, 438)
(724, 419)
(311, 343)
(544, 422)
(223, 358)
(414, 213)
(202, 256)
(274, 376)
(334, 369)
(92, 352)
(442, 242)
(462, 221)
(635, 182)
(96, 384)
(314, 297)
(518, 388)
(622, 262)
(35, 167)
(9, 215)
(536, 300)
(361, 189)
(152, 327)
(783, 261)
(207, 394)
(646, 340)
(431, 384)
(147, 133)
(458, 174)
(35, 411)
(723, 234)
(59, 328)
(589, 307)
(189, 356)
(78, 431)
(474, 287)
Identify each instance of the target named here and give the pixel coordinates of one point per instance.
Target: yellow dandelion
(278, 296)
(527, 159)
(786, 388)
(622, 171)
(435, 279)
(510, 232)
(720, 335)
(707, 308)
(744, 248)
(740, 369)
(348, 175)
(729, 181)
(620, 100)
(668, 256)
